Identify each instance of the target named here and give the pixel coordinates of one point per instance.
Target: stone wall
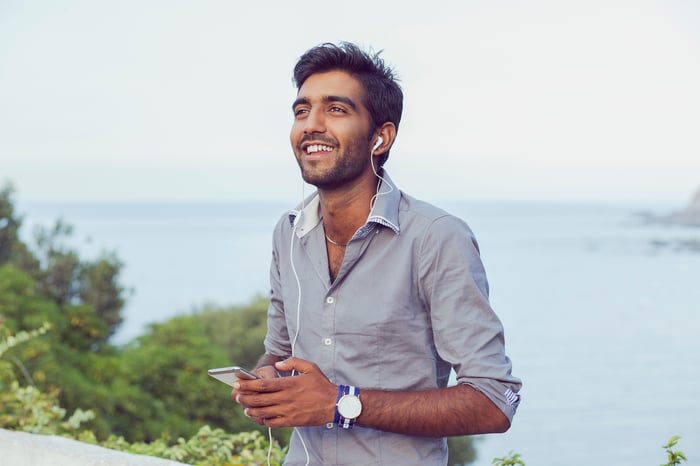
(23, 449)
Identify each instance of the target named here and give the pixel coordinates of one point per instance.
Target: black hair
(383, 97)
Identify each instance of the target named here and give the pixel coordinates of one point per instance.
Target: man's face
(330, 135)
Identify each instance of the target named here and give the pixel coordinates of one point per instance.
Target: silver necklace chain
(342, 245)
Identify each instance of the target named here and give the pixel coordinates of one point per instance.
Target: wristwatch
(348, 407)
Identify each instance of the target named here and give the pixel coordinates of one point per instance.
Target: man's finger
(295, 364)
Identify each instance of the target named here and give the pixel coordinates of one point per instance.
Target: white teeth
(318, 148)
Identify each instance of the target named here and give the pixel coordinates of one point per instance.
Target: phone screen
(229, 375)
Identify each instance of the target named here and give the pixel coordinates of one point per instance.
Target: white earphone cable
(298, 316)
(379, 183)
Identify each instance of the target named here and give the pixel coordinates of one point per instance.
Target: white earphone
(378, 143)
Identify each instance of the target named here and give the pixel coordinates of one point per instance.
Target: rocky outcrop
(690, 216)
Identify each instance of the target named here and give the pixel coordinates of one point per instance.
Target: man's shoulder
(421, 209)
(285, 223)
(286, 218)
(416, 214)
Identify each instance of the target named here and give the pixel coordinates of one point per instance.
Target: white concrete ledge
(23, 449)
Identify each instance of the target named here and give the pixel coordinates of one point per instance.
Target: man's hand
(305, 399)
(265, 372)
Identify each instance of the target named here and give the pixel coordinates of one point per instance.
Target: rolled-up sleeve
(467, 332)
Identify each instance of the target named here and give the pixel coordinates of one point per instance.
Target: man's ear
(386, 134)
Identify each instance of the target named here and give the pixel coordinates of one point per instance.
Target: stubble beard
(347, 166)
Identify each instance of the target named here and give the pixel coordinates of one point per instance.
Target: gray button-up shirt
(409, 304)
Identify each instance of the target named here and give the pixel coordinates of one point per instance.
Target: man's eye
(300, 112)
(337, 109)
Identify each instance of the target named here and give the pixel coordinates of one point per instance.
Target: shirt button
(330, 300)
(329, 425)
(327, 341)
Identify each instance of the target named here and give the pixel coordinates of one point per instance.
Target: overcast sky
(504, 100)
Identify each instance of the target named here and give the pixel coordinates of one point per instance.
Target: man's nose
(315, 122)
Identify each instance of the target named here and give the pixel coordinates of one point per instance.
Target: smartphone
(229, 375)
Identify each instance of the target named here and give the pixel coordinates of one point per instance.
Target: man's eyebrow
(299, 101)
(327, 99)
(338, 98)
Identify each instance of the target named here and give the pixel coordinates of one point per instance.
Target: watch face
(349, 406)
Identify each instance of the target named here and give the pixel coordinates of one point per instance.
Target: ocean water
(601, 310)
(176, 257)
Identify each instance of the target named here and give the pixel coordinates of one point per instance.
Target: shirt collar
(384, 212)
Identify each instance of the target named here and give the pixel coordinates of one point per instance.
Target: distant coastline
(689, 216)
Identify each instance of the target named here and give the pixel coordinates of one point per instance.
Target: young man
(375, 296)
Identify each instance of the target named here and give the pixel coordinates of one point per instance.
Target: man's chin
(315, 178)
(321, 182)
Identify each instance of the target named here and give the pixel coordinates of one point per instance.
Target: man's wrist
(336, 417)
(348, 406)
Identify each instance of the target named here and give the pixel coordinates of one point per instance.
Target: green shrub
(29, 410)
(209, 447)
(674, 457)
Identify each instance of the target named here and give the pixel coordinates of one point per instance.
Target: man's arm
(441, 412)
(309, 399)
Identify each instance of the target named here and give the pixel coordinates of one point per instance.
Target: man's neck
(344, 211)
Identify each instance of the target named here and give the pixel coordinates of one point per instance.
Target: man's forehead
(332, 83)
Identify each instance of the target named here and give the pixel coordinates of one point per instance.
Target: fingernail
(245, 411)
(238, 398)
(236, 386)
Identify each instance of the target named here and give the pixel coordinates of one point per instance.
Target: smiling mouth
(317, 148)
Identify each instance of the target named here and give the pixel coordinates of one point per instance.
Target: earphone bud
(379, 142)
